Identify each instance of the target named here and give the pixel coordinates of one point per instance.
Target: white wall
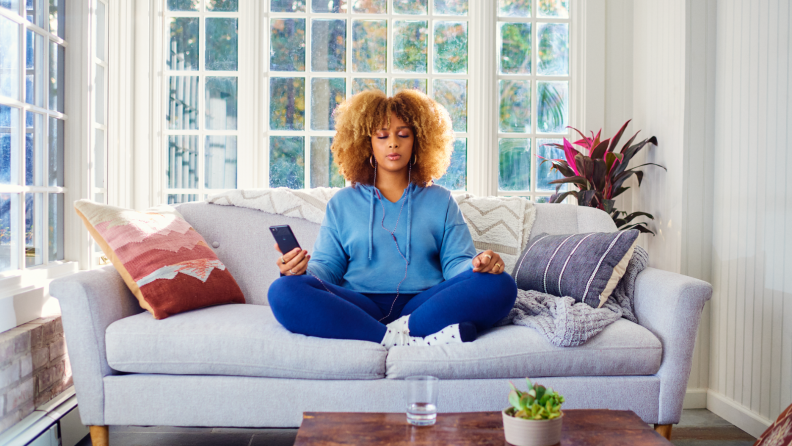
(751, 354)
(711, 81)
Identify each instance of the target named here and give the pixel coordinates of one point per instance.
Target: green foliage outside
(369, 40)
(287, 103)
(409, 46)
(451, 49)
(287, 161)
(287, 46)
(515, 51)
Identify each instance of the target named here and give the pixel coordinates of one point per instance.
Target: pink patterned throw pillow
(165, 263)
(779, 433)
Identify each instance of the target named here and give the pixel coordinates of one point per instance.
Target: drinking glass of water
(421, 400)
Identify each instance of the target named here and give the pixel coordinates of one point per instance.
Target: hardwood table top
(580, 428)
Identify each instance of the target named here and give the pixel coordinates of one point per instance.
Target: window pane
(514, 162)
(553, 48)
(370, 6)
(9, 58)
(34, 237)
(222, 5)
(452, 94)
(451, 52)
(326, 94)
(221, 103)
(409, 46)
(183, 102)
(514, 8)
(182, 170)
(451, 7)
(287, 49)
(34, 78)
(552, 107)
(181, 198)
(9, 232)
(515, 48)
(415, 84)
(287, 161)
(184, 43)
(57, 17)
(220, 162)
(34, 149)
(10, 4)
(554, 8)
(328, 45)
(99, 159)
(324, 172)
(287, 103)
(55, 162)
(543, 198)
(99, 41)
(455, 177)
(99, 95)
(369, 46)
(183, 5)
(55, 227)
(222, 37)
(409, 6)
(328, 5)
(361, 84)
(515, 106)
(9, 145)
(287, 5)
(544, 172)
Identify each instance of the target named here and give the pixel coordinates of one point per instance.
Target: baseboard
(695, 399)
(737, 414)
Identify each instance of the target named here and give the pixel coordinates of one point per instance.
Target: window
(534, 91)
(202, 71)
(32, 56)
(99, 141)
(316, 55)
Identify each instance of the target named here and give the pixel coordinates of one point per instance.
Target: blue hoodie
(355, 252)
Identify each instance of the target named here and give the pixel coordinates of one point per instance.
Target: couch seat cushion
(240, 340)
(622, 348)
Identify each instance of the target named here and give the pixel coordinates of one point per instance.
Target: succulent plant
(537, 403)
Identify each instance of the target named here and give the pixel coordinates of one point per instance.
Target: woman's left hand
(488, 262)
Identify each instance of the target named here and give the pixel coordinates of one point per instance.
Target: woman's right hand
(294, 262)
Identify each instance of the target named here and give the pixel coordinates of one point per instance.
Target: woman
(394, 262)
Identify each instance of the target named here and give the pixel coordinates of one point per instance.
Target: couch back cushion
(241, 238)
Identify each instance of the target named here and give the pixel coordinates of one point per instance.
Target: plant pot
(521, 432)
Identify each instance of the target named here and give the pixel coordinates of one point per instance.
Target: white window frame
(253, 115)
(24, 293)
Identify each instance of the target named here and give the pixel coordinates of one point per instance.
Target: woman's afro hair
(358, 118)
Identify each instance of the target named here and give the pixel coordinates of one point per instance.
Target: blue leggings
(303, 305)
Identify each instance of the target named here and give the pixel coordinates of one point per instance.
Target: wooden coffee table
(581, 427)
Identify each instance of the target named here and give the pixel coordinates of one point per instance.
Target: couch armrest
(90, 301)
(670, 305)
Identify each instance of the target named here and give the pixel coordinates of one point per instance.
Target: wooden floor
(698, 428)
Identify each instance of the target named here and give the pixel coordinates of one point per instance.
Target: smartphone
(285, 238)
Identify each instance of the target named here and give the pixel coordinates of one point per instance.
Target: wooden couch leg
(100, 435)
(664, 430)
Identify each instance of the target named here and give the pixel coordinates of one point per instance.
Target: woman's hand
(488, 262)
(294, 262)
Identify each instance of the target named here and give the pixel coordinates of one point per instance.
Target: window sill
(33, 278)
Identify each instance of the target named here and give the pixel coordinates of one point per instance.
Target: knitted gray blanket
(566, 323)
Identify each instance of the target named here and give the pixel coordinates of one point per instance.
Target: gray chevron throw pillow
(586, 267)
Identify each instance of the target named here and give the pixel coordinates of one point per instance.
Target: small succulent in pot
(534, 418)
(537, 403)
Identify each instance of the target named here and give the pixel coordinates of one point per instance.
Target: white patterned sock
(398, 334)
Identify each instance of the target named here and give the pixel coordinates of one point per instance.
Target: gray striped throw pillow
(586, 267)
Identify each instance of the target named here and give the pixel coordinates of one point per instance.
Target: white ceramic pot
(521, 432)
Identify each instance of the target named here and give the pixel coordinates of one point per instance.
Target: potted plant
(534, 418)
(598, 170)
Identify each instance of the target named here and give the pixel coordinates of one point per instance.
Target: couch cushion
(240, 340)
(622, 348)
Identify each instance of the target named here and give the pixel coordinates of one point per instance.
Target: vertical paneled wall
(659, 109)
(751, 317)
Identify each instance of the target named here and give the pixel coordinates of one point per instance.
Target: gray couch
(234, 365)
